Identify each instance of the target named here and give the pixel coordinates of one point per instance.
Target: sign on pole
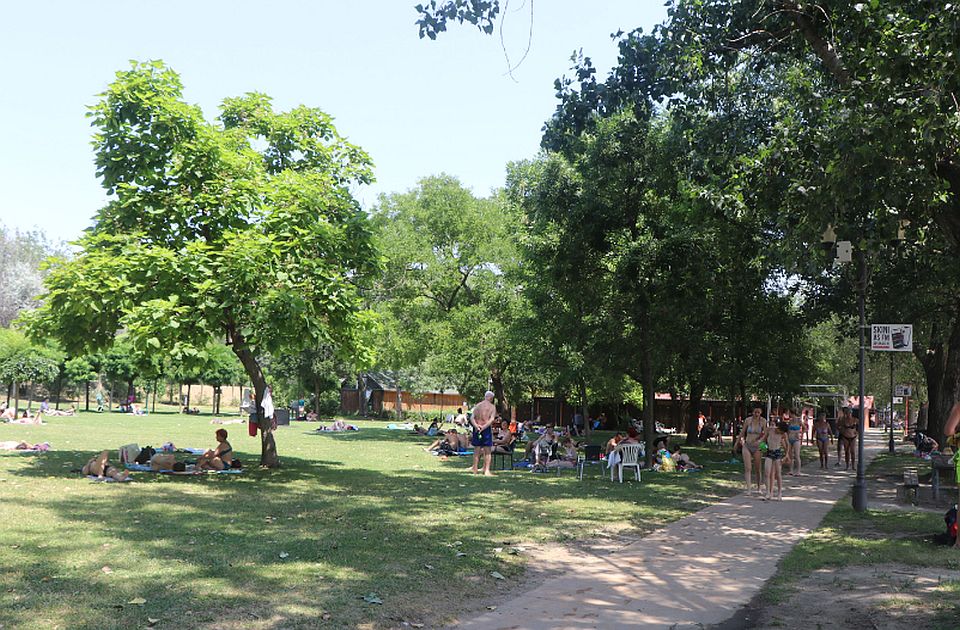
(897, 400)
(903, 390)
(891, 337)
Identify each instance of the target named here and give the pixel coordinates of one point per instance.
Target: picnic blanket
(190, 470)
(96, 479)
(458, 453)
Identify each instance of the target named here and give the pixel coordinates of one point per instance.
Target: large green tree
(243, 230)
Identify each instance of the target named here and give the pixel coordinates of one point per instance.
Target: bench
(503, 458)
(938, 464)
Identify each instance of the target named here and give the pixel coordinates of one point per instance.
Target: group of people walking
(768, 446)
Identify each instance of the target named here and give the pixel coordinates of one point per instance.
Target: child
(821, 431)
(777, 453)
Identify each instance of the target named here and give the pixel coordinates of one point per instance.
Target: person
(99, 401)
(749, 441)
(567, 455)
(13, 445)
(72, 411)
(504, 442)
(776, 454)
(601, 421)
(683, 460)
(481, 419)
(849, 430)
(577, 423)
(45, 406)
(614, 441)
(100, 467)
(9, 413)
(220, 457)
(794, 441)
(542, 448)
(460, 419)
(822, 434)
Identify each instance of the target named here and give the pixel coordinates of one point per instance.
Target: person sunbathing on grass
(13, 445)
(100, 468)
(683, 460)
(8, 413)
(566, 455)
(219, 458)
(452, 444)
(72, 411)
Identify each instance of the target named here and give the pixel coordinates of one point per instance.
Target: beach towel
(96, 479)
(190, 470)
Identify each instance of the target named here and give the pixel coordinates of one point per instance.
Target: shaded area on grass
(285, 548)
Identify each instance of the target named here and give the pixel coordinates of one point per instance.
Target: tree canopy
(243, 230)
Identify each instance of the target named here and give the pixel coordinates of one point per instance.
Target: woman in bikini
(821, 432)
(99, 466)
(777, 453)
(849, 429)
(219, 458)
(794, 441)
(749, 440)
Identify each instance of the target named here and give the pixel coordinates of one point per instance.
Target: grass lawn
(877, 538)
(347, 516)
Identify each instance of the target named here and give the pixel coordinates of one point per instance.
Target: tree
(22, 362)
(21, 273)
(244, 230)
(82, 370)
(447, 292)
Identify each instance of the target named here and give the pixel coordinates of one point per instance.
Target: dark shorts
(482, 438)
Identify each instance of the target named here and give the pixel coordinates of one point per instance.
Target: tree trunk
(87, 396)
(30, 396)
(497, 381)
(9, 393)
(187, 405)
(59, 385)
(942, 370)
(16, 397)
(693, 417)
(583, 406)
(268, 446)
(648, 383)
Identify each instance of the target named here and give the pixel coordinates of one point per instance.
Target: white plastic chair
(630, 455)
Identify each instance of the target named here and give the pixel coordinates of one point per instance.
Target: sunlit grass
(346, 516)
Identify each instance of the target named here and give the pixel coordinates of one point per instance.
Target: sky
(418, 107)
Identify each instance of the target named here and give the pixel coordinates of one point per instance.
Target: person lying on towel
(219, 458)
(100, 468)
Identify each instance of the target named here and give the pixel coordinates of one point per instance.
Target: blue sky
(419, 107)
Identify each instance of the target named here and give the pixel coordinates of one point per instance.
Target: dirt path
(694, 572)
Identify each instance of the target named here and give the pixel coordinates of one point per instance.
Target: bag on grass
(163, 461)
(950, 518)
(128, 453)
(145, 454)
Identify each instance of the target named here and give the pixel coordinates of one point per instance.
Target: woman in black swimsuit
(849, 430)
(99, 467)
(220, 457)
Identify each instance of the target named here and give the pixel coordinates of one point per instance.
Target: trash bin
(282, 416)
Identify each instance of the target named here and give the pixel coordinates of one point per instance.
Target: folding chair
(591, 456)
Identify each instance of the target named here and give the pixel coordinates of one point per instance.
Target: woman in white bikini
(749, 440)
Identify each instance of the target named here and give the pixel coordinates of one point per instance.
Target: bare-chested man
(482, 419)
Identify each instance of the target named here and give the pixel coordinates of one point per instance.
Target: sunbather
(27, 419)
(567, 455)
(13, 445)
(219, 458)
(72, 411)
(99, 466)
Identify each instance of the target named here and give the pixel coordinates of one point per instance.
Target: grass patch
(348, 515)
(846, 538)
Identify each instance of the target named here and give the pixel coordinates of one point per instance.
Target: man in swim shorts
(482, 420)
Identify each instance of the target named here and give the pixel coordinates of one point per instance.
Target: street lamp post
(860, 485)
(893, 392)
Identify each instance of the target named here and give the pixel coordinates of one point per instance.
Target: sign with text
(897, 400)
(891, 337)
(903, 390)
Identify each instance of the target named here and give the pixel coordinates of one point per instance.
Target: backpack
(950, 518)
(145, 454)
